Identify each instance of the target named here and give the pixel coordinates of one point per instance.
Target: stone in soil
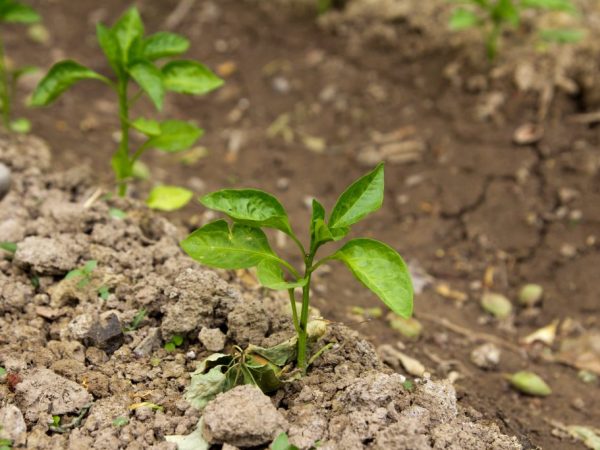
(12, 424)
(212, 338)
(104, 331)
(243, 417)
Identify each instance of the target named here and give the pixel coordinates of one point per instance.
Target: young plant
(243, 245)
(492, 17)
(134, 57)
(12, 11)
(83, 274)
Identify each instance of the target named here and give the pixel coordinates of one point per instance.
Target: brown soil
(462, 200)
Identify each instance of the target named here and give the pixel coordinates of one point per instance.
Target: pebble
(4, 180)
(212, 338)
(486, 356)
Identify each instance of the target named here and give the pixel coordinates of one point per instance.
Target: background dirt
(467, 200)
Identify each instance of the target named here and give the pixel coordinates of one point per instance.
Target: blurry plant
(492, 17)
(83, 274)
(133, 57)
(244, 245)
(174, 342)
(12, 11)
(136, 321)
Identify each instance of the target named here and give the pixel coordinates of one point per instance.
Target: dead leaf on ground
(447, 292)
(582, 352)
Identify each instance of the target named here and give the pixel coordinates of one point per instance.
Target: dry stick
(587, 118)
(175, 18)
(92, 199)
(474, 335)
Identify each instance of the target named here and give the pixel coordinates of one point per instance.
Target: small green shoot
(120, 421)
(117, 213)
(6, 444)
(133, 58)
(174, 342)
(137, 320)
(408, 385)
(56, 425)
(376, 265)
(103, 292)
(493, 17)
(2, 371)
(12, 11)
(9, 247)
(35, 281)
(84, 274)
(282, 443)
(169, 198)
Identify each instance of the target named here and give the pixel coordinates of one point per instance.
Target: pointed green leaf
(250, 207)
(530, 383)
(127, 29)
(551, 5)
(10, 247)
(150, 80)
(190, 77)
(363, 197)
(216, 245)
(319, 230)
(163, 44)
(110, 46)
(381, 269)
(271, 275)
(14, 12)
(175, 135)
(169, 198)
(20, 125)
(463, 18)
(59, 78)
(148, 127)
(282, 443)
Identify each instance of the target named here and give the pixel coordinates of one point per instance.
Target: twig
(585, 118)
(95, 196)
(178, 14)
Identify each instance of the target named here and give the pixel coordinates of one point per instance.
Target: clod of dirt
(48, 256)
(104, 331)
(248, 322)
(43, 392)
(4, 180)
(150, 342)
(212, 338)
(486, 356)
(243, 417)
(12, 424)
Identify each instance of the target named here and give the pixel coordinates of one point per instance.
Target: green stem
(294, 310)
(123, 152)
(302, 333)
(491, 42)
(4, 88)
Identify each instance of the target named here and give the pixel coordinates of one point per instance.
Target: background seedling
(84, 274)
(137, 320)
(174, 342)
(133, 58)
(493, 17)
(9, 247)
(12, 11)
(376, 265)
(120, 421)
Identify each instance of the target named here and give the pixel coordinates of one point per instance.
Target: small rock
(496, 304)
(104, 332)
(439, 398)
(212, 338)
(281, 85)
(243, 417)
(149, 343)
(48, 256)
(486, 356)
(530, 294)
(527, 134)
(13, 425)
(4, 180)
(42, 391)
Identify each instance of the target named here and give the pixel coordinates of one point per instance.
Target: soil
(310, 104)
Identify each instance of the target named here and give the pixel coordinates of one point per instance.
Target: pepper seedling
(493, 17)
(244, 244)
(12, 11)
(134, 57)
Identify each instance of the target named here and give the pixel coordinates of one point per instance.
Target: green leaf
(110, 46)
(381, 269)
(117, 213)
(103, 292)
(10, 247)
(162, 44)
(249, 207)
(271, 275)
(530, 383)
(59, 78)
(168, 198)
(506, 11)
(551, 5)
(148, 127)
(14, 12)
(175, 135)
(363, 197)
(463, 18)
(150, 80)
(190, 77)
(140, 171)
(2, 371)
(282, 443)
(20, 125)
(120, 421)
(562, 36)
(89, 266)
(216, 245)
(207, 380)
(127, 29)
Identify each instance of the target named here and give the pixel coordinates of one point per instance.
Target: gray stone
(150, 342)
(12, 424)
(243, 417)
(42, 391)
(104, 332)
(212, 338)
(48, 256)
(439, 398)
(4, 180)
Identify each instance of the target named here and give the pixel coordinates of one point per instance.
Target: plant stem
(302, 334)
(491, 41)
(4, 88)
(294, 310)
(123, 151)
